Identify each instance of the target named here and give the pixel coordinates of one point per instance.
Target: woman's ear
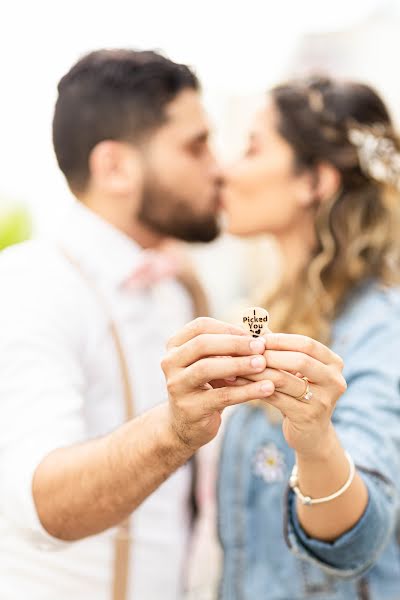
(327, 181)
(317, 185)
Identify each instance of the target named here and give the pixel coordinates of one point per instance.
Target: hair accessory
(377, 153)
(316, 100)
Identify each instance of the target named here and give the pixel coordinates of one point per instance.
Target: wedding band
(307, 395)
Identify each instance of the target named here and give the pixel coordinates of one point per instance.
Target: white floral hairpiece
(377, 153)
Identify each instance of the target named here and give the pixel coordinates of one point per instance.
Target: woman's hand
(307, 424)
(323, 468)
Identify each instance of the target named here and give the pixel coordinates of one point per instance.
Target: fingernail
(257, 362)
(267, 387)
(257, 345)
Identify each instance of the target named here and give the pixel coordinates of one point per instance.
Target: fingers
(209, 344)
(229, 396)
(304, 345)
(284, 382)
(311, 368)
(212, 369)
(295, 410)
(209, 369)
(203, 325)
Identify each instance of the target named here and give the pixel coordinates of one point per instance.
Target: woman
(321, 174)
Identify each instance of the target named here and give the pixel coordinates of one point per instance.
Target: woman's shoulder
(372, 297)
(373, 310)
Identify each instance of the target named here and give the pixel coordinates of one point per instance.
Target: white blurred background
(237, 49)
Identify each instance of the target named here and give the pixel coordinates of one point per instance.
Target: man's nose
(219, 181)
(218, 174)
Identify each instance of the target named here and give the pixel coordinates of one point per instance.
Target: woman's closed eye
(250, 151)
(252, 146)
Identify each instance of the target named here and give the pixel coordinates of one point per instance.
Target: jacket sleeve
(367, 421)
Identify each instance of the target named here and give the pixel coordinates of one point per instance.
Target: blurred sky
(237, 49)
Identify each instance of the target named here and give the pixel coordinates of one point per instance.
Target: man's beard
(170, 214)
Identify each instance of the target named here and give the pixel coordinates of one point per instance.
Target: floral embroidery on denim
(269, 463)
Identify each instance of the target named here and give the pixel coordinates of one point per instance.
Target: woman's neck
(296, 248)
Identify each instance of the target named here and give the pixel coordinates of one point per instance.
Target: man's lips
(219, 202)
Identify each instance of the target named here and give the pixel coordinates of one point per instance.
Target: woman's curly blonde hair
(347, 125)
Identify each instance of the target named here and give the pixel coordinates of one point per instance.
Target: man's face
(181, 181)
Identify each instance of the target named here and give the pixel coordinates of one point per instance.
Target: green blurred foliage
(15, 223)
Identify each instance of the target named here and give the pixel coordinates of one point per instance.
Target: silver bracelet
(306, 500)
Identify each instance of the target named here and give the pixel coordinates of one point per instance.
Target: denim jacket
(267, 554)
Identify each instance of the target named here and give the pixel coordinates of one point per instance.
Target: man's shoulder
(35, 273)
(33, 256)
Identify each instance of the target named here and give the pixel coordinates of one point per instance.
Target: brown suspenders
(123, 538)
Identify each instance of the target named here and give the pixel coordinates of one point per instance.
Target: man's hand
(123, 468)
(200, 362)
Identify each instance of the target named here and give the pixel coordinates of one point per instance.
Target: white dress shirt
(60, 384)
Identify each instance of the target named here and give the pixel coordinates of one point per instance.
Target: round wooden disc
(255, 320)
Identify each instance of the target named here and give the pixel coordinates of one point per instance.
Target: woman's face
(263, 192)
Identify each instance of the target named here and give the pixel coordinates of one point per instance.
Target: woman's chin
(242, 232)
(234, 227)
(229, 226)
(238, 231)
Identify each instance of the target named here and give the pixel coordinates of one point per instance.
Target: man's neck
(139, 233)
(144, 237)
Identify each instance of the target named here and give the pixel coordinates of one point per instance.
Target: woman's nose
(226, 172)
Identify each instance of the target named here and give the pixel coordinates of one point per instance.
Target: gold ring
(307, 394)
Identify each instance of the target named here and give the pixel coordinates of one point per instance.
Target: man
(79, 344)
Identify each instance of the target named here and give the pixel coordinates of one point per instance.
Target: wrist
(171, 441)
(322, 450)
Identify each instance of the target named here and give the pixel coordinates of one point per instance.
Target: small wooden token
(256, 320)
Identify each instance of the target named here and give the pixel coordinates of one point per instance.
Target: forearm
(322, 475)
(82, 490)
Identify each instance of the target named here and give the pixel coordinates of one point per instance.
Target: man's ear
(327, 181)
(115, 167)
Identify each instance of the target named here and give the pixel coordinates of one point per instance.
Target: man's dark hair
(112, 95)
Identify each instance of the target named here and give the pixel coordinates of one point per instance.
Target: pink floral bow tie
(153, 268)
